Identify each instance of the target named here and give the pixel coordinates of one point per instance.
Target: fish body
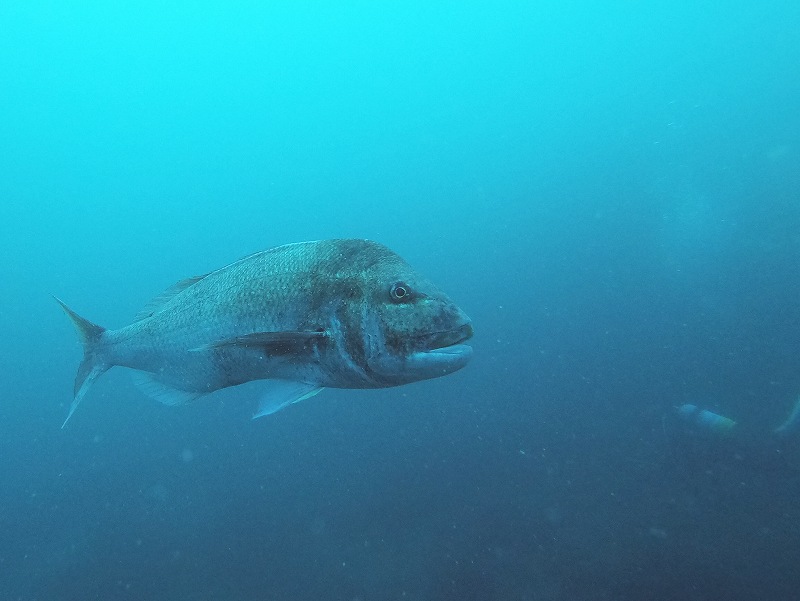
(299, 317)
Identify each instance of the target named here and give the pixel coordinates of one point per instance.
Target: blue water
(609, 190)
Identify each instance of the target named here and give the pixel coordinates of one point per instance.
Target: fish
(292, 320)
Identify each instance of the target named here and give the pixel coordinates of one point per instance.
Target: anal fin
(150, 385)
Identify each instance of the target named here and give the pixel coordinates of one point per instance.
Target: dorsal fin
(155, 304)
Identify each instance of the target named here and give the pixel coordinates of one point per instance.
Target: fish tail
(791, 423)
(93, 364)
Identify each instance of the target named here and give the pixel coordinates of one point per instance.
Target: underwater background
(608, 189)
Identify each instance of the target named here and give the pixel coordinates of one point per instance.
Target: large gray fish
(299, 317)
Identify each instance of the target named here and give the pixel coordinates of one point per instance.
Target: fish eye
(400, 291)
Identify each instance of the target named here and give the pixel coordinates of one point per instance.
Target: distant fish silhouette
(792, 422)
(706, 419)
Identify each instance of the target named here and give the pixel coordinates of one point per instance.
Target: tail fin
(790, 425)
(93, 365)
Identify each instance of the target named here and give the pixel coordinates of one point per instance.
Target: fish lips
(442, 352)
(447, 341)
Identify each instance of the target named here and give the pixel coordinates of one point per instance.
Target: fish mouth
(439, 353)
(449, 341)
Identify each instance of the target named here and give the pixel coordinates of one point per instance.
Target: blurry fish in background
(705, 419)
(714, 422)
(792, 423)
(296, 318)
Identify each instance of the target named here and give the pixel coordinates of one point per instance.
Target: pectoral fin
(273, 343)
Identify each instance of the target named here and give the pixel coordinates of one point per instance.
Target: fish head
(411, 330)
